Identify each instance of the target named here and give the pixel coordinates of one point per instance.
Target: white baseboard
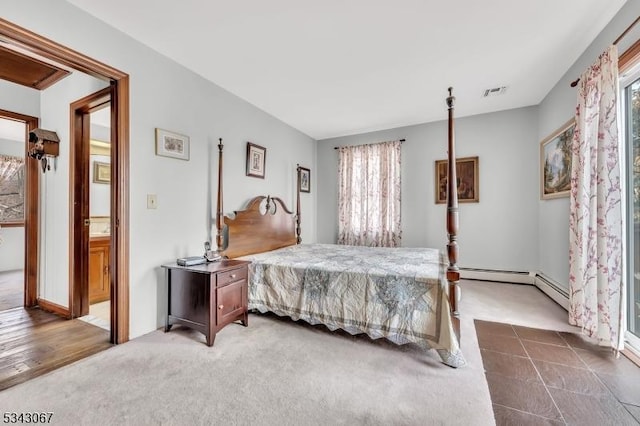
(497, 275)
(547, 285)
(552, 289)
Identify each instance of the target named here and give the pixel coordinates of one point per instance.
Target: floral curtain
(596, 289)
(11, 188)
(369, 195)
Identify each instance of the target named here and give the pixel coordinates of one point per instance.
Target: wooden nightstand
(207, 297)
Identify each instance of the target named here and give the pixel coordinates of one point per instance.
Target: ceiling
(337, 67)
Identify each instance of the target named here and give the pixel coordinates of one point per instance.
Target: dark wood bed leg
(453, 272)
(298, 218)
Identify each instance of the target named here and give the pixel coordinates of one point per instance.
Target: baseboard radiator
(497, 275)
(553, 290)
(548, 286)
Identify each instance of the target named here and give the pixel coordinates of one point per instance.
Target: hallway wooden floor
(11, 289)
(34, 342)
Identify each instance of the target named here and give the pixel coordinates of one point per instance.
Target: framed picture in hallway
(555, 162)
(468, 184)
(101, 172)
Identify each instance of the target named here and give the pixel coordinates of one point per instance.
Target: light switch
(152, 201)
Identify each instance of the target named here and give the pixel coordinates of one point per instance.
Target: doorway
(18, 212)
(12, 194)
(28, 41)
(90, 173)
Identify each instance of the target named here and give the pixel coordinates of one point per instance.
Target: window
(369, 195)
(12, 172)
(630, 87)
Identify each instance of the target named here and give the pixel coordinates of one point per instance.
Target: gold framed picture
(555, 162)
(101, 172)
(467, 176)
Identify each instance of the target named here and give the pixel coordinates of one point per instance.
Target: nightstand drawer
(225, 278)
(232, 302)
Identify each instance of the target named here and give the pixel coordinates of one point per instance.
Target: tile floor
(543, 377)
(99, 315)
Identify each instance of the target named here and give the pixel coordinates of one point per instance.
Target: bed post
(219, 211)
(298, 218)
(453, 273)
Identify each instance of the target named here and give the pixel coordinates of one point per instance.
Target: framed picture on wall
(555, 162)
(305, 179)
(467, 175)
(256, 160)
(101, 172)
(174, 145)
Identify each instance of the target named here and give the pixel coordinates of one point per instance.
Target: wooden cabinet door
(232, 301)
(99, 272)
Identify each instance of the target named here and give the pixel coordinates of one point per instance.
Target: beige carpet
(280, 372)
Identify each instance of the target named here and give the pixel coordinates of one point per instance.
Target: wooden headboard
(266, 224)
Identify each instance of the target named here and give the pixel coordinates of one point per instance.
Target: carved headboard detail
(265, 224)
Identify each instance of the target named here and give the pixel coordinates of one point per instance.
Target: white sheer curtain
(369, 195)
(596, 289)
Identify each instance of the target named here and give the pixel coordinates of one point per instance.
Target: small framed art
(305, 179)
(256, 160)
(174, 145)
(101, 172)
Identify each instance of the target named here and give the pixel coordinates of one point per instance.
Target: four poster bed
(406, 295)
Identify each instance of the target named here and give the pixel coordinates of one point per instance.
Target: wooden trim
(631, 356)
(79, 199)
(37, 44)
(120, 210)
(630, 57)
(12, 224)
(45, 305)
(58, 53)
(31, 211)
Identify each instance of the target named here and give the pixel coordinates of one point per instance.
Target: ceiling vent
(495, 91)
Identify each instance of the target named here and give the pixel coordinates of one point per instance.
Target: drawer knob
(221, 307)
(232, 276)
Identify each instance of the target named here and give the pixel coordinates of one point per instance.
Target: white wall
(99, 193)
(556, 108)
(19, 99)
(54, 186)
(166, 95)
(498, 232)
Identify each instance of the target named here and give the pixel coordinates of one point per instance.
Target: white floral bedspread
(396, 293)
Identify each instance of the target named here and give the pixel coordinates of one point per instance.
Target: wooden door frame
(31, 210)
(119, 80)
(79, 158)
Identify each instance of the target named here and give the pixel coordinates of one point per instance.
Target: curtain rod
(620, 37)
(338, 147)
